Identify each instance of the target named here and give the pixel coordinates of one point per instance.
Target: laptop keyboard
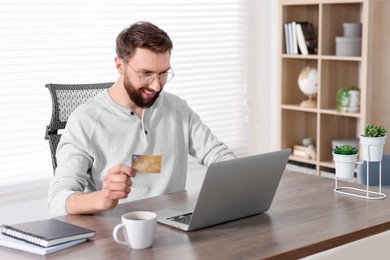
(184, 218)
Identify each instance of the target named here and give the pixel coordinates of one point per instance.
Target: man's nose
(155, 84)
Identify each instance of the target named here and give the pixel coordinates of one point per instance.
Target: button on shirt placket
(142, 124)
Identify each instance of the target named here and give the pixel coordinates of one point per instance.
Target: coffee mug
(138, 229)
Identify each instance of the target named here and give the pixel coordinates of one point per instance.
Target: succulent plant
(374, 131)
(345, 149)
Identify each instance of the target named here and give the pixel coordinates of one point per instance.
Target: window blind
(74, 42)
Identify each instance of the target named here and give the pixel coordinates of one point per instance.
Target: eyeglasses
(148, 77)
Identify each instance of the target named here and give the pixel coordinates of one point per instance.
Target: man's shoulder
(91, 108)
(174, 101)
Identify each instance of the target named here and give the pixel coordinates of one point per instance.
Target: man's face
(142, 96)
(144, 76)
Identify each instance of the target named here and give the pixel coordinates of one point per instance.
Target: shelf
(327, 164)
(340, 58)
(325, 123)
(299, 108)
(368, 72)
(338, 113)
(321, 111)
(321, 57)
(301, 159)
(299, 56)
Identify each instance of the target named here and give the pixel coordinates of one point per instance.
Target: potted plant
(345, 157)
(372, 143)
(348, 99)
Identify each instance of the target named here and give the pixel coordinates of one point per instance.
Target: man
(134, 117)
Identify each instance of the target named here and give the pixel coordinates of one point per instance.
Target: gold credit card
(146, 163)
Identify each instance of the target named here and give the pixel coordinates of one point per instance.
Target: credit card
(143, 163)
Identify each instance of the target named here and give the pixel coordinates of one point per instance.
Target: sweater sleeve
(204, 145)
(74, 163)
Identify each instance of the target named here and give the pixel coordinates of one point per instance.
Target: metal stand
(361, 193)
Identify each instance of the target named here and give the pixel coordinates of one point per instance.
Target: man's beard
(136, 96)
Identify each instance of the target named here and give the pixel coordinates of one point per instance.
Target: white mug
(138, 229)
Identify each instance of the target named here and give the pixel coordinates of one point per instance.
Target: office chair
(374, 172)
(65, 98)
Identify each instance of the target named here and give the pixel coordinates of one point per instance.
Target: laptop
(231, 190)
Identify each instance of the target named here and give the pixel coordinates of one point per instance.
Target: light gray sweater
(100, 134)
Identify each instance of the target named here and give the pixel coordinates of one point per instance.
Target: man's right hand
(116, 185)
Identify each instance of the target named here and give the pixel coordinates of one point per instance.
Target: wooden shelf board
(301, 159)
(328, 164)
(322, 111)
(340, 58)
(321, 57)
(298, 108)
(338, 113)
(299, 56)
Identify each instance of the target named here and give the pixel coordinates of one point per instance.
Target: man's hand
(116, 185)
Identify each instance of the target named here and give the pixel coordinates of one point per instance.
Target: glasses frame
(142, 76)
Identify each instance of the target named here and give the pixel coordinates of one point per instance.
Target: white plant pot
(350, 102)
(345, 165)
(372, 148)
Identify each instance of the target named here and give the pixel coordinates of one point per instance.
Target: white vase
(345, 165)
(372, 148)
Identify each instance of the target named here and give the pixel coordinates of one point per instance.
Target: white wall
(16, 206)
(261, 72)
(261, 78)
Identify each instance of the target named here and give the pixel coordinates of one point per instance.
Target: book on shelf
(287, 38)
(290, 38)
(47, 232)
(300, 38)
(39, 250)
(307, 152)
(294, 38)
(310, 37)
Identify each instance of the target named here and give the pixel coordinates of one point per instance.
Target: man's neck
(118, 94)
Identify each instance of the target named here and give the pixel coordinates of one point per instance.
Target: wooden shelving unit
(369, 72)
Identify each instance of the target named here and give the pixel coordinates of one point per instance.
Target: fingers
(122, 168)
(117, 182)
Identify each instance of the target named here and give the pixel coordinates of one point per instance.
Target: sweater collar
(128, 111)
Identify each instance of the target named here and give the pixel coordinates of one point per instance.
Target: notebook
(231, 190)
(47, 232)
(31, 248)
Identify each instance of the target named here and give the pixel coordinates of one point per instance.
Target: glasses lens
(169, 76)
(163, 77)
(146, 79)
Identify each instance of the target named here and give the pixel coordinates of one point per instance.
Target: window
(74, 42)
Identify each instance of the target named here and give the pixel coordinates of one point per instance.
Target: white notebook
(39, 250)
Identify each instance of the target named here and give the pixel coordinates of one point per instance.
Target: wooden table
(306, 217)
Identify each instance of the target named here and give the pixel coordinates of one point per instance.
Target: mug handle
(115, 234)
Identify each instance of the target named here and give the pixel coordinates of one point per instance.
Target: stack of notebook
(44, 236)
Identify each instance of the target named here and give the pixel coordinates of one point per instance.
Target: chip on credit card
(143, 163)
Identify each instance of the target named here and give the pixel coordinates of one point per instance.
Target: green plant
(342, 95)
(345, 149)
(374, 131)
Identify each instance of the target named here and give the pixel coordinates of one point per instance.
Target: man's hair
(142, 35)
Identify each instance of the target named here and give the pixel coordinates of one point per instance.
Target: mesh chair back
(65, 98)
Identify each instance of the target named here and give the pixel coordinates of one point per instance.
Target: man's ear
(119, 65)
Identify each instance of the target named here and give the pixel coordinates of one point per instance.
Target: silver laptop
(231, 190)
